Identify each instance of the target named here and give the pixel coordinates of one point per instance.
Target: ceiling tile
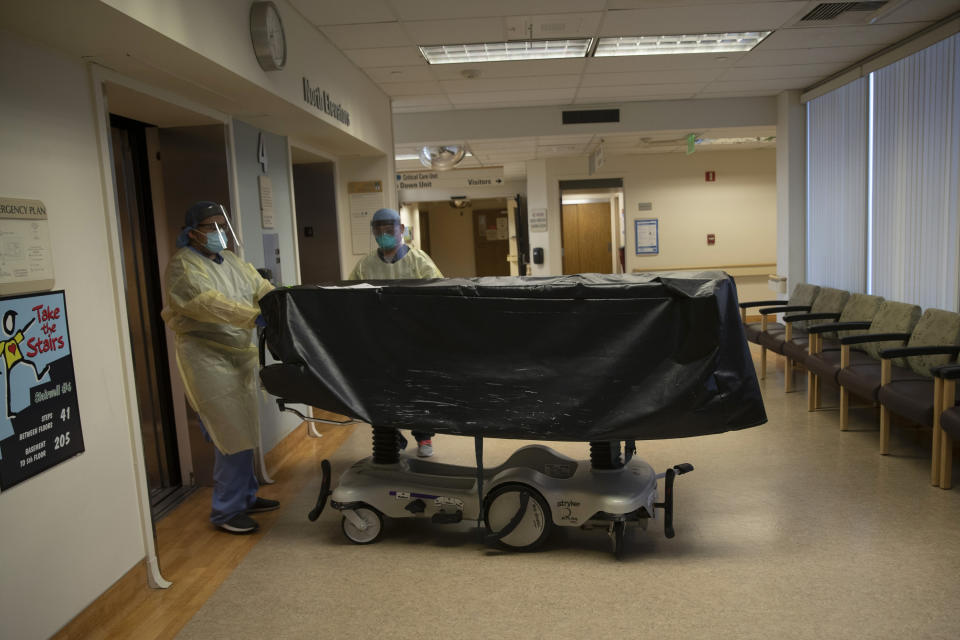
(509, 84)
(387, 57)
(515, 69)
(782, 71)
(711, 18)
(877, 35)
(579, 138)
(434, 100)
(513, 97)
(921, 10)
(460, 31)
(367, 36)
(353, 12)
(439, 9)
(651, 77)
(618, 64)
(761, 57)
(420, 73)
(673, 91)
(411, 88)
(771, 85)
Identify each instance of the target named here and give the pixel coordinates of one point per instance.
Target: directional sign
(454, 179)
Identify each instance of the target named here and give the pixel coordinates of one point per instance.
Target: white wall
(740, 207)
(72, 531)
(219, 30)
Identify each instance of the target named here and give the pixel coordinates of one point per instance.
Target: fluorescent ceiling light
(663, 45)
(415, 156)
(500, 51)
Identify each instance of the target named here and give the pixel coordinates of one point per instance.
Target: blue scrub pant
(234, 484)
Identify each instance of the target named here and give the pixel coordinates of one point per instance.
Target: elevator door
(144, 302)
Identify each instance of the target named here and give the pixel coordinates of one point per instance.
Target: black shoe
(239, 524)
(402, 441)
(262, 504)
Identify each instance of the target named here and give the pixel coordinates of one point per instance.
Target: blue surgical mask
(215, 242)
(387, 241)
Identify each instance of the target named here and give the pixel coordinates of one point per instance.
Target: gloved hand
(260, 322)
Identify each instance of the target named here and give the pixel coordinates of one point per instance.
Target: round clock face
(266, 32)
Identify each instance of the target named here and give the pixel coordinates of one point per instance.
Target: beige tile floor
(792, 529)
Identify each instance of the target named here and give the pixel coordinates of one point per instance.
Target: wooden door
(586, 238)
(491, 240)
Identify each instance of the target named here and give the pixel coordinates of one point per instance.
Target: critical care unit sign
(39, 417)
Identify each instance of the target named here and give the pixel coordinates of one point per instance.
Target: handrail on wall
(757, 269)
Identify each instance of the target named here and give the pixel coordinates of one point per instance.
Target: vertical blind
(916, 172)
(837, 188)
(911, 219)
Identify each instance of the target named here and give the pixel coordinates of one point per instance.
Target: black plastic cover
(577, 358)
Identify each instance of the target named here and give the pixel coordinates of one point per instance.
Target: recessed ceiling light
(664, 45)
(500, 51)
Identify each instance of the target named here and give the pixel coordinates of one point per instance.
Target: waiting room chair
(801, 300)
(946, 427)
(860, 368)
(822, 358)
(792, 343)
(934, 342)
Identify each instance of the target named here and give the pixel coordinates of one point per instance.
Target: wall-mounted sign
(266, 202)
(26, 263)
(322, 100)
(453, 179)
(538, 220)
(365, 199)
(596, 159)
(647, 236)
(39, 416)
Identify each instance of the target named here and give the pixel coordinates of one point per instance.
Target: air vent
(830, 10)
(591, 116)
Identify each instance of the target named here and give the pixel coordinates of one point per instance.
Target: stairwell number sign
(39, 412)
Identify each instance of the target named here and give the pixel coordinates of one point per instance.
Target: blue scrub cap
(197, 213)
(383, 215)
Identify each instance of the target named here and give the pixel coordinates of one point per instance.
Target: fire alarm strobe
(711, 176)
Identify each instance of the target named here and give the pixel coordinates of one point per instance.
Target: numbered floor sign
(39, 417)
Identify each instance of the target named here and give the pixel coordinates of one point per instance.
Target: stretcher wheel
(503, 507)
(369, 534)
(617, 535)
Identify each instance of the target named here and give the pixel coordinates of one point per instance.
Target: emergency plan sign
(39, 417)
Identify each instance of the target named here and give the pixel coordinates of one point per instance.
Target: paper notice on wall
(502, 229)
(266, 202)
(26, 262)
(365, 199)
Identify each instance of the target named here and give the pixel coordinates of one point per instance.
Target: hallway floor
(792, 529)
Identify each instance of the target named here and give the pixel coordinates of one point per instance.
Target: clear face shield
(229, 227)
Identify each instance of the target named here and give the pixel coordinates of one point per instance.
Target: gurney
(601, 359)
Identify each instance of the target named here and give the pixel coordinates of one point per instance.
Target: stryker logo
(321, 100)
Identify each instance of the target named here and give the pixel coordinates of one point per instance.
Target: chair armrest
(812, 316)
(837, 326)
(947, 371)
(772, 310)
(931, 350)
(761, 303)
(874, 337)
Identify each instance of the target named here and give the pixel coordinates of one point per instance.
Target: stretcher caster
(362, 525)
(517, 517)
